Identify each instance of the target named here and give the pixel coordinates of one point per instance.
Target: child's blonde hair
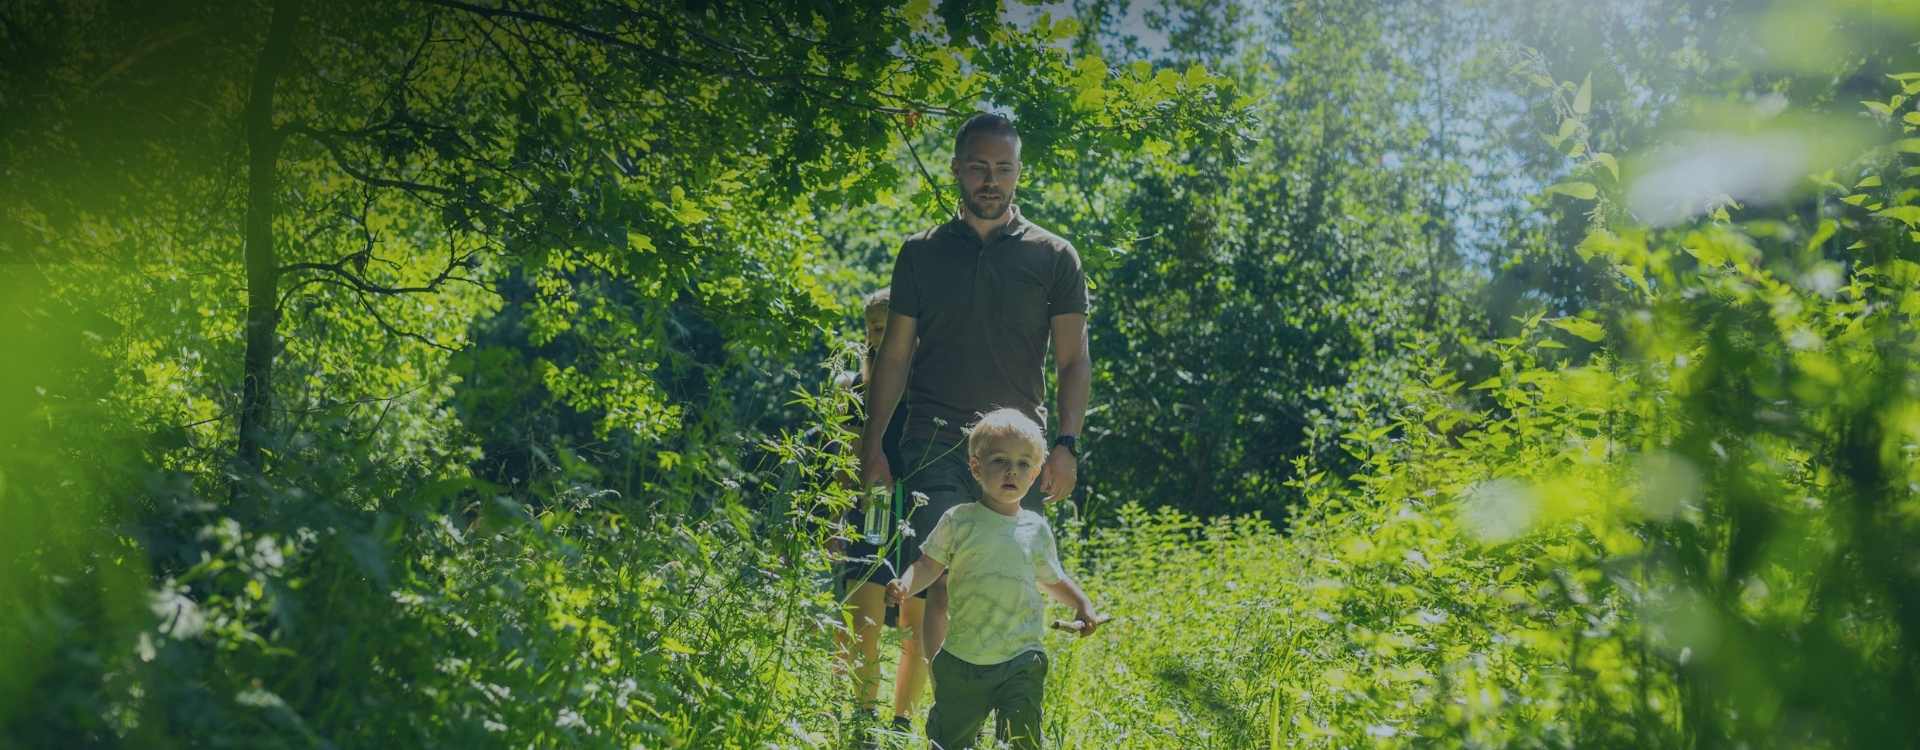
(880, 299)
(1004, 423)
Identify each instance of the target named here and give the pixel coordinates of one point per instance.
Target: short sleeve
(904, 291)
(939, 543)
(1046, 559)
(1068, 293)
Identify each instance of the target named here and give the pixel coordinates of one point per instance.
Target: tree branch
(796, 79)
(326, 139)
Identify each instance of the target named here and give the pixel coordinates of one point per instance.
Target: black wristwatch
(1071, 442)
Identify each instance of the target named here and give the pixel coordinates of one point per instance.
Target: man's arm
(1073, 382)
(883, 396)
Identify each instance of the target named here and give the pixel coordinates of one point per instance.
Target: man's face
(1005, 467)
(988, 168)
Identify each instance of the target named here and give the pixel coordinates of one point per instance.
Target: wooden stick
(1076, 626)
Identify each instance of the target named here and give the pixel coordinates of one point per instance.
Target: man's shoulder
(932, 234)
(921, 236)
(1035, 234)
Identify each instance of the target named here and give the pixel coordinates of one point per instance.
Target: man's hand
(1059, 475)
(896, 592)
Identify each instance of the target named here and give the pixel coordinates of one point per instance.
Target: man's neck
(986, 227)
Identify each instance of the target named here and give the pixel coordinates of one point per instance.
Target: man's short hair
(985, 123)
(1002, 423)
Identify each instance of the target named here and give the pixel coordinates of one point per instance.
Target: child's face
(1005, 467)
(876, 327)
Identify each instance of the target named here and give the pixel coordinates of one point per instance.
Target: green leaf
(1090, 71)
(1487, 385)
(1581, 327)
(1197, 75)
(1584, 99)
(1907, 146)
(1579, 190)
(1879, 108)
(686, 210)
(1908, 215)
(640, 243)
(1820, 236)
(1872, 180)
(673, 644)
(917, 10)
(1911, 118)
(1065, 29)
(1166, 81)
(1606, 160)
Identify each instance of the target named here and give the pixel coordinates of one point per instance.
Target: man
(983, 294)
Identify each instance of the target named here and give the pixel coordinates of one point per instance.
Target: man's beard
(1000, 207)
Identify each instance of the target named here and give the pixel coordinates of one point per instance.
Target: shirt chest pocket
(1017, 293)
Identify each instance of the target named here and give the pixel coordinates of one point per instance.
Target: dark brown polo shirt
(984, 314)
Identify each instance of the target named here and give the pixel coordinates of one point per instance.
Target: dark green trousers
(963, 694)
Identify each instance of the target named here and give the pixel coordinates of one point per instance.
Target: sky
(1023, 12)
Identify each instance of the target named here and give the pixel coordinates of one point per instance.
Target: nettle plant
(1703, 490)
(1677, 518)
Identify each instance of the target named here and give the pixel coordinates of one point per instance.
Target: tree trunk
(263, 276)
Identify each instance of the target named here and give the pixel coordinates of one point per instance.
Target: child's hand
(1084, 623)
(896, 593)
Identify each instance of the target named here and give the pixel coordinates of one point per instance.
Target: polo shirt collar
(1014, 228)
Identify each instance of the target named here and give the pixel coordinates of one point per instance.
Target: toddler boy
(998, 557)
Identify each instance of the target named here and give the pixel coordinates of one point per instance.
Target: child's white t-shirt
(994, 565)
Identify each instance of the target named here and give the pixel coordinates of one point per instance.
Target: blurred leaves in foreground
(1664, 499)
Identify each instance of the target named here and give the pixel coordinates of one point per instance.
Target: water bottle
(879, 517)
